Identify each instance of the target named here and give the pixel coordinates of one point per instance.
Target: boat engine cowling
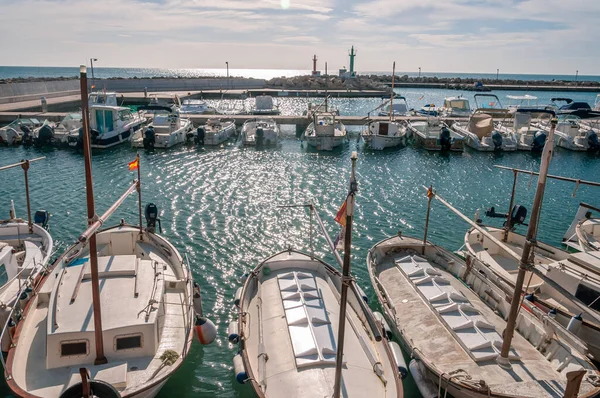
(41, 218)
(149, 137)
(260, 136)
(497, 140)
(44, 136)
(151, 213)
(539, 140)
(593, 142)
(200, 134)
(27, 136)
(445, 139)
(94, 134)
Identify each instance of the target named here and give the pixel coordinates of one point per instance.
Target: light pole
(92, 67)
(497, 73)
(419, 72)
(227, 65)
(576, 76)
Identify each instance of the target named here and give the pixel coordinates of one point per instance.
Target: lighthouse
(315, 72)
(344, 73)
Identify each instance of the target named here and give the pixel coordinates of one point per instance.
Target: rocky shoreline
(362, 82)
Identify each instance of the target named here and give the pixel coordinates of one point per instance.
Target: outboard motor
(517, 215)
(593, 143)
(80, 138)
(45, 136)
(445, 139)
(149, 138)
(260, 136)
(27, 136)
(151, 214)
(41, 218)
(94, 134)
(200, 133)
(539, 140)
(497, 140)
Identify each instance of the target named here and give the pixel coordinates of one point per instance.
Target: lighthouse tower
(352, 54)
(315, 72)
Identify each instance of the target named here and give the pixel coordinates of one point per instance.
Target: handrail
(21, 163)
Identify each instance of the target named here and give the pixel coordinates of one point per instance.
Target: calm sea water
(219, 206)
(8, 72)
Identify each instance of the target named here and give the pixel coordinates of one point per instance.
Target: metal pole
(326, 86)
(87, 154)
(525, 265)
(419, 72)
(510, 206)
(560, 178)
(227, 65)
(139, 189)
(392, 96)
(497, 73)
(310, 234)
(25, 166)
(429, 197)
(346, 279)
(21, 163)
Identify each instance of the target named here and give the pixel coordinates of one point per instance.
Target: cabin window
(125, 115)
(74, 348)
(104, 120)
(128, 342)
(588, 296)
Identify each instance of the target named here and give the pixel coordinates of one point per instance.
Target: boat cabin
(457, 106)
(194, 106)
(100, 98)
(166, 119)
(105, 119)
(324, 123)
(265, 105)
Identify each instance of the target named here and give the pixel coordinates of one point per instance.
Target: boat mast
(346, 279)
(326, 85)
(392, 95)
(91, 211)
(530, 240)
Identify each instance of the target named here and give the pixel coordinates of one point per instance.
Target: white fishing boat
(383, 134)
(573, 134)
(216, 131)
(110, 124)
(304, 333)
(13, 133)
(113, 318)
(526, 130)
(481, 134)
(325, 132)
(25, 250)
(456, 107)
(434, 135)
(264, 105)
(260, 132)
(231, 107)
(584, 232)
(57, 134)
(197, 107)
(455, 337)
(166, 129)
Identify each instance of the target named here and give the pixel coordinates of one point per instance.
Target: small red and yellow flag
(340, 217)
(134, 165)
(430, 192)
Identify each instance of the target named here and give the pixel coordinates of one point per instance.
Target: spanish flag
(135, 164)
(340, 218)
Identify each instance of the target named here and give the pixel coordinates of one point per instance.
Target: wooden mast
(91, 211)
(346, 279)
(530, 238)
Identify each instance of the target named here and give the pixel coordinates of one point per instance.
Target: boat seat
(33, 256)
(473, 331)
(481, 124)
(113, 266)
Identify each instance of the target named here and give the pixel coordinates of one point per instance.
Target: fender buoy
(399, 358)
(238, 297)
(206, 331)
(233, 334)
(386, 328)
(238, 367)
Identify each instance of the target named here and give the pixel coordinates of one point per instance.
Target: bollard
(44, 105)
(145, 92)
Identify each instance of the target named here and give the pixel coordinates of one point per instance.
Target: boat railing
(188, 319)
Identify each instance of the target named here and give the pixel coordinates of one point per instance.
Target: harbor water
(219, 205)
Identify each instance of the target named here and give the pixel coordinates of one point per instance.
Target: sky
(515, 36)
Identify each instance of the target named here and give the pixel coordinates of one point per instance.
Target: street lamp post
(227, 65)
(419, 72)
(497, 73)
(92, 67)
(576, 76)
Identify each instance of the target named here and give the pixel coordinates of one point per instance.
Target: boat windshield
(458, 104)
(487, 101)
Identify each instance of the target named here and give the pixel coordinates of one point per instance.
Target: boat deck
(299, 310)
(419, 320)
